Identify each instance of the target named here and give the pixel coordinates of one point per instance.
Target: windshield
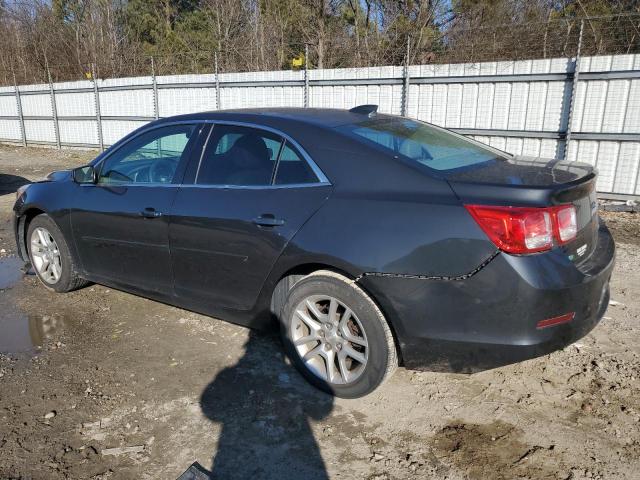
(430, 146)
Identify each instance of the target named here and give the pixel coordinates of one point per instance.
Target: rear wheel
(50, 256)
(337, 336)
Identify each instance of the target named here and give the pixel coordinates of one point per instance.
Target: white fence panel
(80, 132)
(8, 106)
(127, 103)
(37, 105)
(114, 130)
(75, 104)
(632, 117)
(9, 130)
(176, 101)
(521, 107)
(626, 178)
(40, 131)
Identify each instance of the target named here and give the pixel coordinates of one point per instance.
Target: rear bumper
(490, 319)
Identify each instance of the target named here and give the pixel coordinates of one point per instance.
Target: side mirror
(86, 174)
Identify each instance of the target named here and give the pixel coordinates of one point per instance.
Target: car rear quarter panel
(427, 236)
(386, 216)
(388, 234)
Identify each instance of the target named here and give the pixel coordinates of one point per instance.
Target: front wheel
(50, 256)
(337, 336)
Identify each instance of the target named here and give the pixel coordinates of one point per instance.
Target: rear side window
(430, 146)
(293, 169)
(229, 139)
(245, 156)
(240, 156)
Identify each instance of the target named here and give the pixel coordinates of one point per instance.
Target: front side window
(151, 157)
(428, 145)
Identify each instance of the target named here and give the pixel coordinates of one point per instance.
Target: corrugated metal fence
(522, 107)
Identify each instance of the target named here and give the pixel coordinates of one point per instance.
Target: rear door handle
(268, 220)
(150, 212)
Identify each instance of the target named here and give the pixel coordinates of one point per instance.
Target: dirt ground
(96, 370)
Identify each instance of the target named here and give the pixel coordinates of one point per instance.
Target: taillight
(566, 223)
(524, 229)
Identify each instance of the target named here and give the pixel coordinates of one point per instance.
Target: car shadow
(11, 183)
(264, 408)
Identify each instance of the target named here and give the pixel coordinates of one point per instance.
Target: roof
(322, 117)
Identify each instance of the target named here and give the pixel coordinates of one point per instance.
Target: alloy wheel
(330, 339)
(45, 255)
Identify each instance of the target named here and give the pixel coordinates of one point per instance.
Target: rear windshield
(428, 145)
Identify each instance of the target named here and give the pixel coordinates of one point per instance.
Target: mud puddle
(21, 333)
(10, 271)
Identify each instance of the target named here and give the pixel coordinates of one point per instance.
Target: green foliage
(160, 25)
(119, 36)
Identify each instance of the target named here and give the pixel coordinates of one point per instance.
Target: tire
(330, 320)
(67, 278)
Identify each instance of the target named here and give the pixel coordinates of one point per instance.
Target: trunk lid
(530, 181)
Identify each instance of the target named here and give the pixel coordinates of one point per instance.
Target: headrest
(249, 151)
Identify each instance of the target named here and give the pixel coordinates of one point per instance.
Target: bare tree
(119, 36)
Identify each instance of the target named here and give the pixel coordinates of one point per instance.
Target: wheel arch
(23, 227)
(288, 278)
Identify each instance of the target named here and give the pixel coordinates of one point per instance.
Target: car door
(120, 224)
(251, 193)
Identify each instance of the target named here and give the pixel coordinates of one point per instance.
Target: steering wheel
(161, 171)
(117, 176)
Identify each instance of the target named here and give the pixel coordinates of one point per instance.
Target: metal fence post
(215, 65)
(405, 84)
(306, 75)
(20, 115)
(156, 110)
(54, 109)
(96, 96)
(574, 88)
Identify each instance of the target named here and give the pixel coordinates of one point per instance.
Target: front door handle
(150, 212)
(268, 220)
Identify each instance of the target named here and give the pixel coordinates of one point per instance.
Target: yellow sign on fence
(297, 62)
